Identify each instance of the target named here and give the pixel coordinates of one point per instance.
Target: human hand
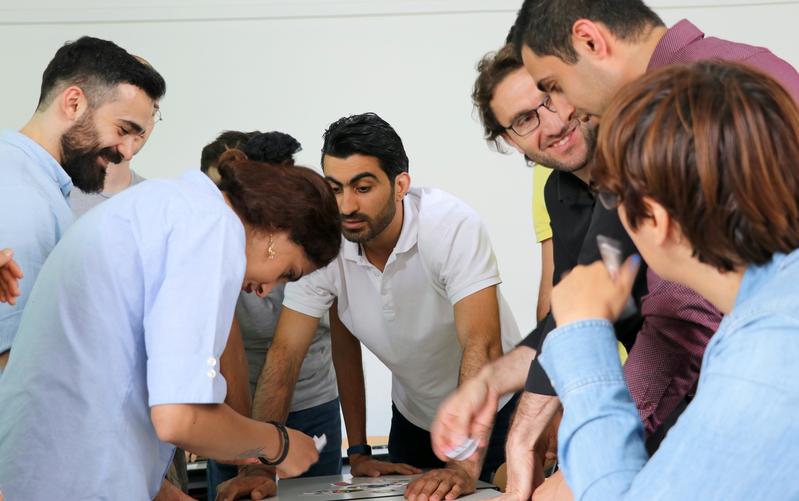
(302, 454)
(170, 492)
(468, 413)
(253, 481)
(445, 483)
(10, 274)
(364, 465)
(589, 292)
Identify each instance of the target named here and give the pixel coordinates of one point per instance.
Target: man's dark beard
(589, 133)
(373, 227)
(80, 152)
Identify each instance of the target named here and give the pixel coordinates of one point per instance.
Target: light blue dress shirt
(34, 214)
(132, 309)
(739, 437)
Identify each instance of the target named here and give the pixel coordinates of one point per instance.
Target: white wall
(298, 65)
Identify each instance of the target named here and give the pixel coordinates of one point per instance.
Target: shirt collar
(44, 160)
(572, 189)
(353, 251)
(678, 37)
(755, 276)
(201, 180)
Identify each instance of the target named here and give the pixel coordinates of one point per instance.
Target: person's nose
(127, 148)
(563, 107)
(348, 202)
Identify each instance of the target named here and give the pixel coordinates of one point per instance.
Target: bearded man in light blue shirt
(96, 106)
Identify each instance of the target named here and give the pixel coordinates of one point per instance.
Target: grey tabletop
(347, 488)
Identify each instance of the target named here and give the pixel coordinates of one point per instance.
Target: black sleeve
(607, 223)
(603, 222)
(537, 379)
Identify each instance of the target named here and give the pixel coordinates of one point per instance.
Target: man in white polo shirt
(417, 283)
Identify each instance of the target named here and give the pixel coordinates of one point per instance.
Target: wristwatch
(359, 449)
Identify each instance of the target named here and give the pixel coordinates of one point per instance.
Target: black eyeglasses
(609, 200)
(527, 123)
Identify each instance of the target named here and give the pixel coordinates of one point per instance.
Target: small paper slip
(463, 451)
(320, 442)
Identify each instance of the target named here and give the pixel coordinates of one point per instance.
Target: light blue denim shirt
(131, 310)
(739, 437)
(34, 214)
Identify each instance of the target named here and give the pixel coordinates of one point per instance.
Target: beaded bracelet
(284, 446)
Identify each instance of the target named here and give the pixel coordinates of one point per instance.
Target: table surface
(347, 488)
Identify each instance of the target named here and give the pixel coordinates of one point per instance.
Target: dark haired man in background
(96, 104)
(417, 283)
(587, 50)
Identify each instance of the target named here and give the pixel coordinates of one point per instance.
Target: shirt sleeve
(543, 230)
(738, 423)
(464, 256)
(30, 228)
(663, 365)
(189, 307)
(313, 294)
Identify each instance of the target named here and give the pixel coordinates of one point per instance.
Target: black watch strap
(359, 449)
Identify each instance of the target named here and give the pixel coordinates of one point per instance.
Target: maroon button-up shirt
(663, 365)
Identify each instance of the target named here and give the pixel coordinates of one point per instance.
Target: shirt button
(212, 373)
(211, 361)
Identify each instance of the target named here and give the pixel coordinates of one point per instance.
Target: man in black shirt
(515, 112)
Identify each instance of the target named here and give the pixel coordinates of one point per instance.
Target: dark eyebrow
(355, 179)
(133, 125)
(362, 175)
(334, 181)
(519, 115)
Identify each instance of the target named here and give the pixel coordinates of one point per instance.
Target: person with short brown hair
(701, 161)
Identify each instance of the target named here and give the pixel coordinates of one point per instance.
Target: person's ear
(589, 39)
(402, 183)
(72, 103)
(661, 227)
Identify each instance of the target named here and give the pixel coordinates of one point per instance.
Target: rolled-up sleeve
(190, 309)
(601, 437)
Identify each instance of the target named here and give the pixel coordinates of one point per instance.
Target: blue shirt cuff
(580, 354)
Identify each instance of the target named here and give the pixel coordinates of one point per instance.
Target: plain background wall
(297, 66)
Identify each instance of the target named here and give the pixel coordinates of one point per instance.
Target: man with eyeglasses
(512, 108)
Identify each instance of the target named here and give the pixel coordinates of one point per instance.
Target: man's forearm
(348, 363)
(275, 387)
(478, 328)
(508, 373)
(233, 365)
(533, 414)
(545, 286)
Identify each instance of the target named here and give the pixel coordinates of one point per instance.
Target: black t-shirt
(577, 219)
